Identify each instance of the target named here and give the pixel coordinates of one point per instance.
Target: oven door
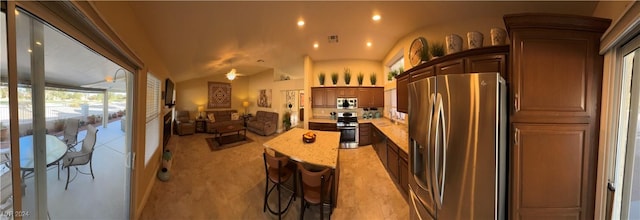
(348, 136)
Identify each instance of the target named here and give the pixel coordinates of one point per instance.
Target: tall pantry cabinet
(555, 89)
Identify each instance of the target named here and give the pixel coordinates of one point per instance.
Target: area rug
(228, 142)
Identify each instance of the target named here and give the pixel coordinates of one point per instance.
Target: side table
(246, 118)
(201, 125)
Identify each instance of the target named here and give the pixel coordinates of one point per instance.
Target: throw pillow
(211, 117)
(235, 116)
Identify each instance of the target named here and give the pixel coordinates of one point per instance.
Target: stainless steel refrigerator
(457, 152)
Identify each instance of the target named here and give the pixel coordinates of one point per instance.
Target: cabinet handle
(516, 137)
(516, 102)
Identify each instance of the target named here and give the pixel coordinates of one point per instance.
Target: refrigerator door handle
(436, 169)
(427, 149)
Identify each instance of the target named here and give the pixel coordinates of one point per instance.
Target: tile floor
(229, 184)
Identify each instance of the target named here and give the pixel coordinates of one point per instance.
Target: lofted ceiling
(203, 38)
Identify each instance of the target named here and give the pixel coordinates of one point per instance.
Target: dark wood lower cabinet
(553, 168)
(392, 159)
(365, 134)
(379, 142)
(403, 171)
(322, 126)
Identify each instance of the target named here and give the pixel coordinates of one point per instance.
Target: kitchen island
(323, 152)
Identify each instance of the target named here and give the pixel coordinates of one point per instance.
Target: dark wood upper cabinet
(486, 59)
(450, 67)
(378, 97)
(347, 92)
(488, 63)
(556, 79)
(402, 93)
(555, 86)
(423, 73)
(364, 98)
(326, 97)
(318, 97)
(331, 98)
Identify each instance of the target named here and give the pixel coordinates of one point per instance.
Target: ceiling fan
(232, 74)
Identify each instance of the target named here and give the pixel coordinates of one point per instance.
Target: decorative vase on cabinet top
(454, 43)
(498, 36)
(474, 39)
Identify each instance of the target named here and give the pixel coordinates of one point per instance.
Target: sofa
(222, 118)
(184, 124)
(264, 123)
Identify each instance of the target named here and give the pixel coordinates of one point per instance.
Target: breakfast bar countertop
(322, 152)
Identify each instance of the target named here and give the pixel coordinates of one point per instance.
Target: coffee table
(223, 134)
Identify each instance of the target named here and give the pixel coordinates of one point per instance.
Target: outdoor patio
(87, 198)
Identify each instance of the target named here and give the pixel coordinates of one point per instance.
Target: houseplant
(425, 55)
(436, 49)
(286, 121)
(334, 78)
(347, 76)
(321, 77)
(373, 78)
(360, 78)
(392, 74)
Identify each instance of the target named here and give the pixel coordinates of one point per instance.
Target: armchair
(184, 124)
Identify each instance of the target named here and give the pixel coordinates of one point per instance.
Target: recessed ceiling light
(300, 23)
(38, 43)
(376, 17)
(369, 44)
(315, 45)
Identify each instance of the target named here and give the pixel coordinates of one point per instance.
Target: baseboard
(145, 197)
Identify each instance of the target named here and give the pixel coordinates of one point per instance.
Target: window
(153, 122)
(395, 66)
(153, 97)
(390, 97)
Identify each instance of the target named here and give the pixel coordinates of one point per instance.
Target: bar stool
(278, 170)
(316, 186)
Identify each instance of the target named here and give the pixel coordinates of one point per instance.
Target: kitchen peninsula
(323, 152)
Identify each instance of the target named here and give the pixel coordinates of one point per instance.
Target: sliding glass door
(627, 159)
(64, 91)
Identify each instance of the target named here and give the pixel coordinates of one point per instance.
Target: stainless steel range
(348, 126)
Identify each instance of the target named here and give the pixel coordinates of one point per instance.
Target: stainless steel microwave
(347, 103)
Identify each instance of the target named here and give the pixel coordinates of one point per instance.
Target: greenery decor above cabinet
(554, 96)
(485, 59)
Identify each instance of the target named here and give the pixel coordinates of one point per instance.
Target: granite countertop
(322, 152)
(322, 120)
(399, 133)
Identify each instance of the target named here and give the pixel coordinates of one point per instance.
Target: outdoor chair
(82, 157)
(71, 126)
(6, 193)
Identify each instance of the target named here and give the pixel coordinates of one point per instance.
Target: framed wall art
(264, 98)
(219, 95)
